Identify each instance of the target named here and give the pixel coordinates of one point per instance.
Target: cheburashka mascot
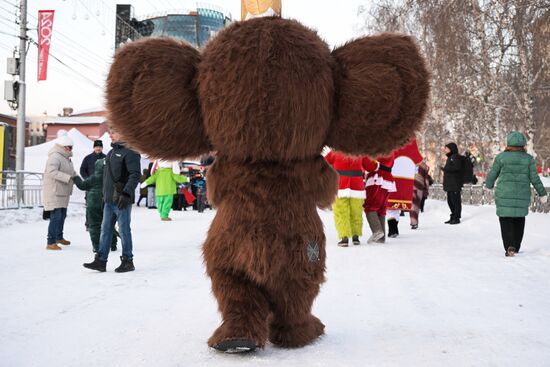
(267, 94)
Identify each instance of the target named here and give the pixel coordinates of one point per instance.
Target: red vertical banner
(45, 29)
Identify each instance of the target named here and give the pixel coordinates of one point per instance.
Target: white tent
(37, 155)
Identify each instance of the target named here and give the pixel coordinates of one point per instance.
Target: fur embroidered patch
(313, 251)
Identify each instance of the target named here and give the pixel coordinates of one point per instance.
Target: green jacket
(165, 181)
(515, 171)
(93, 184)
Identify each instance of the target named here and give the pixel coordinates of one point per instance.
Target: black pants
(454, 199)
(511, 230)
(141, 197)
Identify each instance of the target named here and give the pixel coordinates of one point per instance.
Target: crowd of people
(385, 190)
(110, 183)
(381, 188)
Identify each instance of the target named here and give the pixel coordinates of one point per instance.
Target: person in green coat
(516, 172)
(94, 204)
(165, 180)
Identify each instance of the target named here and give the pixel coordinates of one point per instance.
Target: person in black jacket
(87, 167)
(120, 179)
(452, 182)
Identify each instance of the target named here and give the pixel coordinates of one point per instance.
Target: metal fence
(480, 195)
(27, 194)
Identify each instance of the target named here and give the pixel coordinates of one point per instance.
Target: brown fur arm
(152, 98)
(382, 90)
(325, 185)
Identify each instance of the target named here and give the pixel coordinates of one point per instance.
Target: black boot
(393, 230)
(97, 264)
(125, 265)
(355, 240)
(343, 242)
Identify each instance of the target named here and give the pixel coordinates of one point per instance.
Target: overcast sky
(83, 39)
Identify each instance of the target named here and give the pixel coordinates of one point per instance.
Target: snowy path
(439, 296)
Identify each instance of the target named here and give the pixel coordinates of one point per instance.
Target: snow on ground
(10, 217)
(439, 296)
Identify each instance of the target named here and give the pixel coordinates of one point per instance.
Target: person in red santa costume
(404, 171)
(380, 184)
(348, 213)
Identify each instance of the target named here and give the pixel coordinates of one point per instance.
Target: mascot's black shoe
(236, 346)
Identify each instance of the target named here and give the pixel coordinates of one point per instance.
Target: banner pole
(20, 150)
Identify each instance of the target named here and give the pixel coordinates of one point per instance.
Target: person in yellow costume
(165, 180)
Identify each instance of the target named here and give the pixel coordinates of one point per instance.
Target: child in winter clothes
(348, 215)
(165, 180)
(380, 183)
(516, 172)
(94, 203)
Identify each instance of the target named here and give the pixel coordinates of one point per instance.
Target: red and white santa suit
(404, 171)
(380, 183)
(347, 208)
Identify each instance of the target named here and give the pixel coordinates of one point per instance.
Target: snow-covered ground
(439, 296)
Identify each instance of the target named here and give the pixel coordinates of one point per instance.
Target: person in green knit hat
(165, 180)
(516, 172)
(94, 203)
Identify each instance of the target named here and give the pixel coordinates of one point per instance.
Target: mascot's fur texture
(267, 94)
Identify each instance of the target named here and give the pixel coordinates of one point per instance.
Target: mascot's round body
(267, 94)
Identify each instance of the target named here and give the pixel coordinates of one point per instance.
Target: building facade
(195, 26)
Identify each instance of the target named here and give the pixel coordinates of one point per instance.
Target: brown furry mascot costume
(268, 95)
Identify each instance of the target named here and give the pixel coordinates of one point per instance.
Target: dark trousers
(55, 228)
(454, 199)
(141, 197)
(511, 230)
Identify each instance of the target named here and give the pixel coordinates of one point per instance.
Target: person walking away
(404, 170)
(514, 172)
(143, 190)
(120, 179)
(165, 180)
(420, 193)
(93, 185)
(57, 189)
(348, 216)
(452, 182)
(380, 183)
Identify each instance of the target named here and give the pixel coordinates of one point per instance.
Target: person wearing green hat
(516, 172)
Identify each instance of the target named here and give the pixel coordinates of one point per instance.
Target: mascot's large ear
(152, 98)
(382, 88)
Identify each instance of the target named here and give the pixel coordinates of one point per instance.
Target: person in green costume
(516, 172)
(94, 204)
(165, 180)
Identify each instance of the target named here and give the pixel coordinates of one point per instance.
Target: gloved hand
(143, 185)
(124, 200)
(544, 199)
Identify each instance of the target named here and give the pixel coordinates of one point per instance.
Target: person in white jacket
(57, 189)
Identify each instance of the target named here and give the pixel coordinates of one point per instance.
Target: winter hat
(64, 141)
(452, 147)
(516, 139)
(98, 143)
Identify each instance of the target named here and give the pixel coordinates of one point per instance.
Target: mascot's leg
(292, 324)
(244, 310)
(291, 296)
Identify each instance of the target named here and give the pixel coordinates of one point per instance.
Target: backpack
(468, 176)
